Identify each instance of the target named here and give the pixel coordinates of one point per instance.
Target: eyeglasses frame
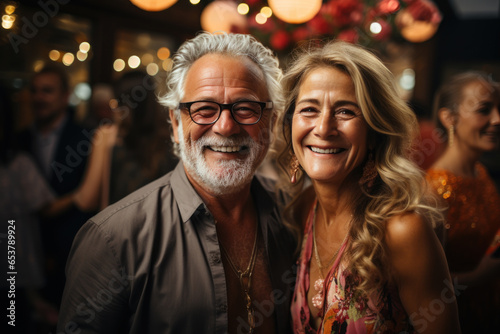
(224, 106)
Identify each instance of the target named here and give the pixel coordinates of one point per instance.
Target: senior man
(202, 249)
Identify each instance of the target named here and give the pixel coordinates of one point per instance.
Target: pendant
(317, 300)
(250, 313)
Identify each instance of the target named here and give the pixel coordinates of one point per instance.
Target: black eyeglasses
(208, 112)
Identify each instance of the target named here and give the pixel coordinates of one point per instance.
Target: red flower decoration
(423, 10)
(319, 26)
(350, 20)
(279, 40)
(301, 34)
(349, 35)
(388, 6)
(344, 12)
(252, 2)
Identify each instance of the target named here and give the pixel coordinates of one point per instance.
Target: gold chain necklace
(245, 278)
(317, 300)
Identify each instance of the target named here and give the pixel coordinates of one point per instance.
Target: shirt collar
(187, 198)
(189, 202)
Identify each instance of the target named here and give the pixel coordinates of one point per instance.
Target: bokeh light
(68, 58)
(375, 28)
(167, 64)
(266, 11)
(119, 65)
(54, 55)
(85, 47)
(147, 58)
(163, 53)
(152, 69)
(243, 8)
(83, 91)
(134, 61)
(81, 56)
(260, 18)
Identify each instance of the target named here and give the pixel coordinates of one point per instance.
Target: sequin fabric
(473, 216)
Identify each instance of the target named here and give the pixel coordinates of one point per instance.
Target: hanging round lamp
(222, 16)
(419, 21)
(295, 11)
(153, 5)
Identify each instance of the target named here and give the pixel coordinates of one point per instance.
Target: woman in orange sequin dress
(467, 109)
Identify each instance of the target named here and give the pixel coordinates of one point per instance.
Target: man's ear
(175, 125)
(446, 117)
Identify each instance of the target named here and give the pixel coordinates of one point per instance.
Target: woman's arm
(421, 272)
(57, 206)
(88, 195)
(487, 270)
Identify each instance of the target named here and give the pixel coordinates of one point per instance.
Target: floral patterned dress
(344, 309)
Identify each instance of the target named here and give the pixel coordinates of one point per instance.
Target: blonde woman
(370, 261)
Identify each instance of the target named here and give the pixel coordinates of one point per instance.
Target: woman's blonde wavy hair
(400, 186)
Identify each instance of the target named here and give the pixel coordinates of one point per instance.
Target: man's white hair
(236, 45)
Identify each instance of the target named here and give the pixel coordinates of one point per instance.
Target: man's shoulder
(137, 207)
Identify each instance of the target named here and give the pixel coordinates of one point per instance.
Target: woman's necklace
(245, 278)
(317, 300)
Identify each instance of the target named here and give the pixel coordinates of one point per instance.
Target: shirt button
(215, 257)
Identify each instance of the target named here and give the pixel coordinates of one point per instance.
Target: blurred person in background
(60, 148)
(466, 108)
(130, 152)
(430, 143)
(25, 195)
(100, 111)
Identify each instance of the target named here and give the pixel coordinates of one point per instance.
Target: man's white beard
(225, 176)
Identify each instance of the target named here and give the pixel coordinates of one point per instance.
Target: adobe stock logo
(39, 20)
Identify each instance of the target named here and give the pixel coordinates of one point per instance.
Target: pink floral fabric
(345, 311)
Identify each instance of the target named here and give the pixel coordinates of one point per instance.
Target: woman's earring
(294, 168)
(369, 174)
(451, 135)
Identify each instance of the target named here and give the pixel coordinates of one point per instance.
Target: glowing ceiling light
(153, 5)
(295, 11)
